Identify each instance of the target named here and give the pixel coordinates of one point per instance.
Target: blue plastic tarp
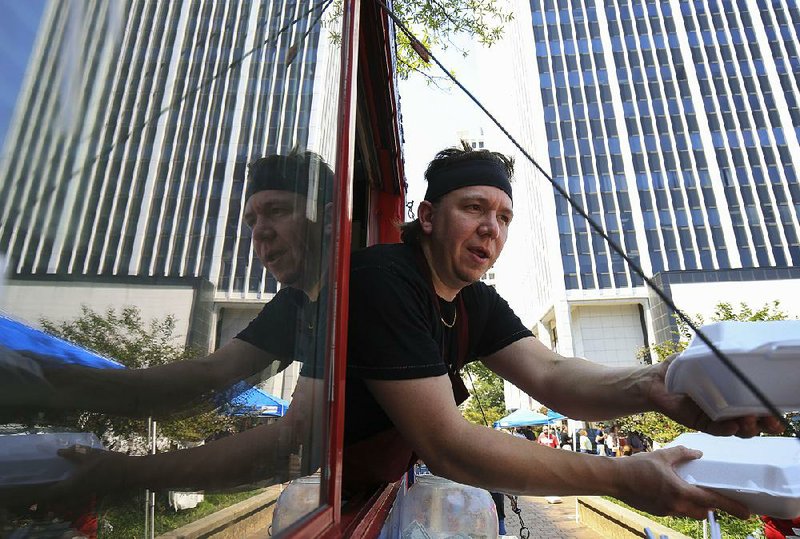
(522, 418)
(555, 416)
(255, 402)
(22, 338)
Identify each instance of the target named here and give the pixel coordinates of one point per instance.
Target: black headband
(467, 174)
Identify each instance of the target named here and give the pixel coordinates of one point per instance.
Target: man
(287, 210)
(418, 312)
(547, 438)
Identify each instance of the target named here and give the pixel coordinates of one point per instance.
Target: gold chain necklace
(451, 324)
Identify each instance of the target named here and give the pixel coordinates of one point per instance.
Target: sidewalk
(556, 521)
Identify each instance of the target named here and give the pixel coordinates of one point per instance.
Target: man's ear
(425, 216)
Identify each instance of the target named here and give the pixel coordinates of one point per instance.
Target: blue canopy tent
(522, 418)
(555, 416)
(527, 418)
(22, 338)
(255, 402)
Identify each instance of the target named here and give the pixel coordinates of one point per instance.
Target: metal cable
(424, 52)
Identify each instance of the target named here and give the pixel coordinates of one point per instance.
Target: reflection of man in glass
(286, 210)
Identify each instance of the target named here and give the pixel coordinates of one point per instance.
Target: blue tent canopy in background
(22, 338)
(527, 418)
(255, 402)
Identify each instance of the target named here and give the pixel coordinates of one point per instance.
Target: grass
(731, 527)
(124, 518)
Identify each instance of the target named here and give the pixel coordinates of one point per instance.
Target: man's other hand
(685, 411)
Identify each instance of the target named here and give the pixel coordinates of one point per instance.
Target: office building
(675, 124)
(122, 174)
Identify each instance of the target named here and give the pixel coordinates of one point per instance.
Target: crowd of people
(603, 440)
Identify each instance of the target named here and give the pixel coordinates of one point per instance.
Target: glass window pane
(184, 255)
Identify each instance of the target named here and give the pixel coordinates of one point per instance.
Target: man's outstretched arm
(584, 390)
(490, 459)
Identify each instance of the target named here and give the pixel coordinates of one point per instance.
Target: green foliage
(125, 337)
(124, 517)
(435, 23)
(732, 527)
(486, 393)
(658, 427)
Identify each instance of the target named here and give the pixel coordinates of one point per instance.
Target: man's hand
(648, 482)
(97, 472)
(683, 409)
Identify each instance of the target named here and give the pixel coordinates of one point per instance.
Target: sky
(433, 116)
(19, 20)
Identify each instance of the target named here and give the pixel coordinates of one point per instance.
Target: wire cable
(598, 229)
(320, 7)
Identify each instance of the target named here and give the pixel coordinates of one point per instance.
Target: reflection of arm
(258, 454)
(157, 390)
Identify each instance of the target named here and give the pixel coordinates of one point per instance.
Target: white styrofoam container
(768, 353)
(762, 473)
(32, 459)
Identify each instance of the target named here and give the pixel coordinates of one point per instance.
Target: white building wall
(610, 335)
(701, 298)
(58, 301)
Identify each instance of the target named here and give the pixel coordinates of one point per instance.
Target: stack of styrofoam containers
(762, 472)
(438, 508)
(33, 459)
(768, 353)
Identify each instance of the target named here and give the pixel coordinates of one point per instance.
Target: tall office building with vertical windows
(123, 171)
(676, 125)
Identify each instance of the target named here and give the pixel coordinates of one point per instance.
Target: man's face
(468, 229)
(283, 239)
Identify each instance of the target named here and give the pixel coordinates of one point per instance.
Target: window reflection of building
(136, 196)
(133, 206)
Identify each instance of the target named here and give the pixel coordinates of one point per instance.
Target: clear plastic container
(768, 353)
(32, 459)
(299, 498)
(762, 473)
(439, 508)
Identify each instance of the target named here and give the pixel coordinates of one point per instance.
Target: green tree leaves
(125, 337)
(658, 427)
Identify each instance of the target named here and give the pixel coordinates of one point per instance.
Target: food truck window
(172, 185)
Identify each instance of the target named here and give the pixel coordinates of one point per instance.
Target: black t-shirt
(396, 331)
(289, 327)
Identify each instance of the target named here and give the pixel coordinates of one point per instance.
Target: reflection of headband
(467, 174)
(305, 174)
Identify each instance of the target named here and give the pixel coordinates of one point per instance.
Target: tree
(126, 338)
(487, 398)
(658, 427)
(435, 23)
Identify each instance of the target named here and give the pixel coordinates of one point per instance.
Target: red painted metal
(340, 266)
(325, 523)
(367, 522)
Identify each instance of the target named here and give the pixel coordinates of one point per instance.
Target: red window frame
(367, 57)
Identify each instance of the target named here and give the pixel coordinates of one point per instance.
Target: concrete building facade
(675, 125)
(123, 171)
